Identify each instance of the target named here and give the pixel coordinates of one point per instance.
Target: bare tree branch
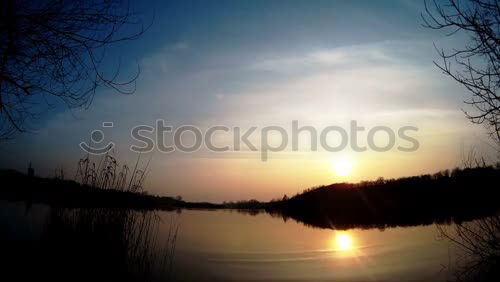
(55, 49)
(476, 66)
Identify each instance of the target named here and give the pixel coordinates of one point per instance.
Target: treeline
(17, 186)
(456, 195)
(459, 194)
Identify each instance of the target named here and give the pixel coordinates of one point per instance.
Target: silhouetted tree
(466, 194)
(476, 65)
(54, 48)
(480, 243)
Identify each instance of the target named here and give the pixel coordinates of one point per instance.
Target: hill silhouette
(458, 195)
(461, 194)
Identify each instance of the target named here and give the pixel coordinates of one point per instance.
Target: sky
(268, 63)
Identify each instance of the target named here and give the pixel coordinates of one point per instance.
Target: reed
(108, 173)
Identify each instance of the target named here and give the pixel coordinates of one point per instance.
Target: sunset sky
(259, 63)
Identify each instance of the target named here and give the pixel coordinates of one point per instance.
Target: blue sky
(244, 63)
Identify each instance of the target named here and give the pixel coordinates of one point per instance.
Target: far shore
(446, 196)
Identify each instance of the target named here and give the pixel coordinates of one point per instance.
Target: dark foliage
(67, 193)
(442, 197)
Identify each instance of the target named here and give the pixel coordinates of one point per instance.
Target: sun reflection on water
(342, 241)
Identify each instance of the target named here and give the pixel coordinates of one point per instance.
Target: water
(224, 245)
(228, 245)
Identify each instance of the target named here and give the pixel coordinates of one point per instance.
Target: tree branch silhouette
(55, 49)
(476, 65)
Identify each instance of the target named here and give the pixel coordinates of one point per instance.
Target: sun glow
(343, 242)
(342, 167)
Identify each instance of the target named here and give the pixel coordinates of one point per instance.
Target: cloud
(388, 52)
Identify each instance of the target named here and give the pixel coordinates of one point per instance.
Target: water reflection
(343, 241)
(480, 241)
(89, 244)
(231, 246)
(222, 246)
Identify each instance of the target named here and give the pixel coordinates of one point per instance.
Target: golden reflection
(343, 241)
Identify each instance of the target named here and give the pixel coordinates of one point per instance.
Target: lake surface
(228, 245)
(224, 245)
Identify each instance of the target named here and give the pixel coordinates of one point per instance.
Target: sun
(343, 241)
(342, 167)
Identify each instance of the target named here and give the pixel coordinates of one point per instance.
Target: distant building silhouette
(31, 170)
